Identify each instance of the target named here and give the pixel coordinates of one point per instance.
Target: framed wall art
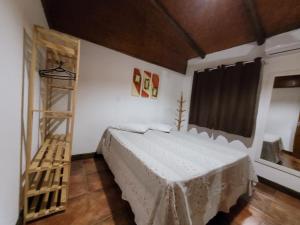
(146, 90)
(154, 85)
(136, 85)
(145, 84)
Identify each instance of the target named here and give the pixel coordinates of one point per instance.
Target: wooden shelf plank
(54, 153)
(54, 114)
(61, 36)
(67, 153)
(54, 201)
(39, 155)
(63, 196)
(45, 180)
(47, 162)
(36, 177)
(66, 174)
(60, 49)
(62, 87)
(57, 176)
(43, 208)
(58, 156)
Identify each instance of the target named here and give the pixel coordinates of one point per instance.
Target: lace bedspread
(176, 178)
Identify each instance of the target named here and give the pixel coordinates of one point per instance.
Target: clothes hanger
(56, 73)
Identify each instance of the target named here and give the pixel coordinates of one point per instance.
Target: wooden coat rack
(47, 172)
(180, 111)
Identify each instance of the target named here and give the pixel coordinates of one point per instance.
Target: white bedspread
(175, 178)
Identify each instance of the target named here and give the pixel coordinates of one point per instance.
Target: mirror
(281, 143)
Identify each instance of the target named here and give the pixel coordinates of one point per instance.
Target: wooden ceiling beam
(179, 28)
(256, 22)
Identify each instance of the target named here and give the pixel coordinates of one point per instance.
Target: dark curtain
(225, 98)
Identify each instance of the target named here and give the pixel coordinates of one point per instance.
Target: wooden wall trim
(85, 156)
(287, 81)
(279, 187)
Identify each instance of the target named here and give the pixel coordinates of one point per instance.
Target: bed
(176, 178)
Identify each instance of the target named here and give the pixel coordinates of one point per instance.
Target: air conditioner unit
(284, 43)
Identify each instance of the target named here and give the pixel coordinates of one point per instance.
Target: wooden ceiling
(169, 32)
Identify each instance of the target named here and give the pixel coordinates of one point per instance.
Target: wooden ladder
(47, 172)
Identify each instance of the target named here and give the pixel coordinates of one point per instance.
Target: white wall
(283, 115)
(276, 66)
(14, 15)
(104, 95)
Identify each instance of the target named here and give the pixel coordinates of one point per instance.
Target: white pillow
(133, 127)
(160, 127)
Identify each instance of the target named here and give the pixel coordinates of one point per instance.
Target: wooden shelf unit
(47, 173)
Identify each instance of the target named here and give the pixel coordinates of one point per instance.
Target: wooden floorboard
(95, 199)
(290, 161)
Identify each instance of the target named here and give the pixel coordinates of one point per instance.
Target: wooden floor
(290, 161)
(95, 199)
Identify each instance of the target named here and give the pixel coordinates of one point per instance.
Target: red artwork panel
(136, 82)
(146, 90)
(154, 85)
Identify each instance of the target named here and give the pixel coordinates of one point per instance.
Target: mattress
(176, 178)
